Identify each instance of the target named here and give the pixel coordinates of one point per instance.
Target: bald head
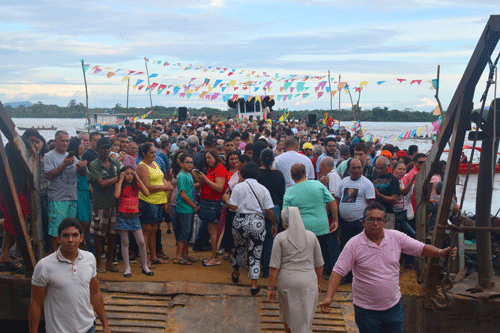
(382, 165)
(326, 165)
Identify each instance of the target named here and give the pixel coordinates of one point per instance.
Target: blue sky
(42, 42)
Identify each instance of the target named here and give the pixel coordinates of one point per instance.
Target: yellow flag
(210, 87)
(258, 98)
(231, 83)
(363, 83)
(269, 89)
(418, 131)
(189, 91)
(282, 119)
(125, 78)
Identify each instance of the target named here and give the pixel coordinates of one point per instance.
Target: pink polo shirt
(376, 268)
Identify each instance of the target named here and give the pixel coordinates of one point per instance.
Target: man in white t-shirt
(285, 161)
(328, 176)
(353, 195)
(65, 283)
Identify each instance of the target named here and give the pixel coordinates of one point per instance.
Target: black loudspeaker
(312, 119)
(182, 113)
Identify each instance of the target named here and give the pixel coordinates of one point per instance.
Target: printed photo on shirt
(350, 195)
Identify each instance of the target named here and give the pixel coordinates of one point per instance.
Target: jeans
(92, 329)
(388, 321)
(330, 250)
(403, 226)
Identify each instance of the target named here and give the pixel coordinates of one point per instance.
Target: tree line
(78, 110)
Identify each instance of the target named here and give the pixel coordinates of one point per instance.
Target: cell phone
(196, 170)
(71, 154)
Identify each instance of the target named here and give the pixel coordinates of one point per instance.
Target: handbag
(209, 210)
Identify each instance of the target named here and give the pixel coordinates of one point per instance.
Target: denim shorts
(184, 227)
(150, 213)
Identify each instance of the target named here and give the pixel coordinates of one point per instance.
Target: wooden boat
(462, 167)
(39, 128)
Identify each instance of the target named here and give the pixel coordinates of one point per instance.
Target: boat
(102, 122)
(39, 128)
(462, 167)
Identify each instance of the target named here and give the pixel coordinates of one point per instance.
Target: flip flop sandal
(113, 269)
(101, 270)
(159, 261)
(191, 259)
(181, 261)
(208, 263)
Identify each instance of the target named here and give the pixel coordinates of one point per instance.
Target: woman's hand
(122, 177)
(274, 230)
(334, 226)
(271, 296)
(226, 197)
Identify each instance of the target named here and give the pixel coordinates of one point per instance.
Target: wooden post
(456, 121)
(16, 215)
(128, 86)
(86, 98)
(149, 86)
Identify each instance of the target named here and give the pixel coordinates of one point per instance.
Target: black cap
(103, 142)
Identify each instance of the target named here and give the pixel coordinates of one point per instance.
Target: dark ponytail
(267, 158)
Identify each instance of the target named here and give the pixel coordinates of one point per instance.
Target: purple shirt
(129, 160)
(376, 268)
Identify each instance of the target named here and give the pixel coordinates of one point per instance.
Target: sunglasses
(421, 162)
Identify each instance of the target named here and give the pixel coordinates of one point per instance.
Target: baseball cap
(307, 145)
(103, 142)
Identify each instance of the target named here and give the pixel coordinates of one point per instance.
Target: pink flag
(435, 126)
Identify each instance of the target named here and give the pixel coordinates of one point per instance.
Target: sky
(42, 44)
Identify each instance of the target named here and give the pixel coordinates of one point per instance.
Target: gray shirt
(63, 187)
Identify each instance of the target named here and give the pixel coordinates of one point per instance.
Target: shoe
(148, 273)
(207, 263)
(254, 291)
(162, 255)
(235, 278)
(127, 275)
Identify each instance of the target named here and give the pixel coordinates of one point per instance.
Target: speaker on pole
(312, 119)
(182, 113)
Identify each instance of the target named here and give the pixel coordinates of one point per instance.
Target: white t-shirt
(354, 196)
(285, 161)
(66, 305)
(333, 181)
(246, 201)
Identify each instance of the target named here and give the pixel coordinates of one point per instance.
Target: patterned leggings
(248, 228)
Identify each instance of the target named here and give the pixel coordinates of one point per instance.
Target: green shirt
(103, 198)
(184, 183)
(310, 198)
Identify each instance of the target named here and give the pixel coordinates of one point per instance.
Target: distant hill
(16, 104)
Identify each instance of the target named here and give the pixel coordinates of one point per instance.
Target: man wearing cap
(307, 150)
(61, 173)
(104, 174)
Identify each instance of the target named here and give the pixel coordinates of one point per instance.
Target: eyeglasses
(421, 162)
(189, 162)
(371, 220)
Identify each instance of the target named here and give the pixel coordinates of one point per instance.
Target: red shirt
(206, 192)
(129, 200)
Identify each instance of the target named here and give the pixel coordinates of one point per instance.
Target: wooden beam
(16, 215)
(456, 122)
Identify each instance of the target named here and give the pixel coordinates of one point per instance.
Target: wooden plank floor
(134, 313)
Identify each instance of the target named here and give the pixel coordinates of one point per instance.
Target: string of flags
(131, 119)
(254, 85)
(415, 133)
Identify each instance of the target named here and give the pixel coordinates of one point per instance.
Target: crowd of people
(290, 201)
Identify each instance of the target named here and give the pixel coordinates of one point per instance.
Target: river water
(376, 128)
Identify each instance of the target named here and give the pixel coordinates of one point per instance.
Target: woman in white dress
(295, 271)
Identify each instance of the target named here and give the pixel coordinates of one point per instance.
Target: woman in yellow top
(150, 206)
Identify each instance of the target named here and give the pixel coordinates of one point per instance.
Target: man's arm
(98, 304)
(37, 297)
(333, 284)
(392, 199)
(434, 252)
(58, 170)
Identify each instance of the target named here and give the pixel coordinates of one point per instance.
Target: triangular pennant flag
(203, 93)
(284, 97)
(235, 97)
(291, 89)
(300, 86)
(320, 94)
(363, 83)
(287, 85)
(176, 89)
(214, 96)
(334, 92)
(97, 70)
(153, 75)
(140, 87)
(417, 81)
(85, 68)
(258, 98)
(279, 97)
(380, 82)
(125, 78)
(110, 74)
(401, 80)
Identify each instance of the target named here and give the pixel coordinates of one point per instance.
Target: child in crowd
(127, 191)
(185, 209)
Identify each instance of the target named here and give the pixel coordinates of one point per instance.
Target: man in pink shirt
(373, 256)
